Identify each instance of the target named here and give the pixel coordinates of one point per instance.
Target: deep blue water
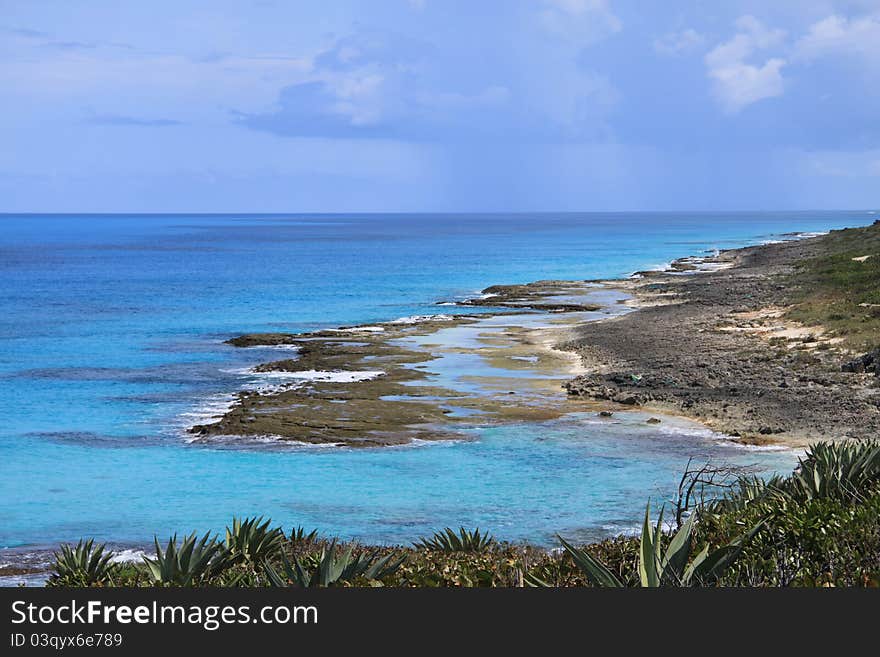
(111, 338)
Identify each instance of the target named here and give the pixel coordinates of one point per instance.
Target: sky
(439, 105)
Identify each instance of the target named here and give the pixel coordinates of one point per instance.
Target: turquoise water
(111, 343)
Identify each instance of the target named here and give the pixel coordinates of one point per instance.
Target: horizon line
(866, 210)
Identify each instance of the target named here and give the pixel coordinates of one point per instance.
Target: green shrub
(333, 567)
(817, 541)
(192, 563)
(448, 540)
(841, 470)
(657, 567)
(250, 541)
(299, 535)
(86, 564)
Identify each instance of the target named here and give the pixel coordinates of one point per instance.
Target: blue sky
(439, 105)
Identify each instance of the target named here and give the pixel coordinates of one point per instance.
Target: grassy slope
(832, 288)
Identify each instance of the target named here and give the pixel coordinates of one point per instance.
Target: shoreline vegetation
(770, 344)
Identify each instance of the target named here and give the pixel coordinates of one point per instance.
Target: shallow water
(582, 476)
(111, 345)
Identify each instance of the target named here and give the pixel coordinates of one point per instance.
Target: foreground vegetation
(839, 290)
(820, 526)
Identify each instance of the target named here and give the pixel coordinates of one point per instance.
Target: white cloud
(677, 43)
(737, 83)
(858, 37)
(580, 21)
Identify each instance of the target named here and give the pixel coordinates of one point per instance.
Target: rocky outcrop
(535, 296)
(262, 340)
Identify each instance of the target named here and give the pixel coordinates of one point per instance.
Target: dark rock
(865, 363)
(766, 431)
(262, 340)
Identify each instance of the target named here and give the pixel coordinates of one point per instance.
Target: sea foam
(342, 376)
(420, 319)
(127, 555)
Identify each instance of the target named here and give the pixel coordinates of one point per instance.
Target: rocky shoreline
(719, 347)
(709, 338)
(395, 382)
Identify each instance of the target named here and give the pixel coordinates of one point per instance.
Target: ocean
(111, 345)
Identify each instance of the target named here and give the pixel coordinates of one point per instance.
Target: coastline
(705, 339)
(416, 379)
(721, 347)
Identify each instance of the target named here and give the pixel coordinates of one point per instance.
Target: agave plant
(464, 540)
(333, 568)
(86, 564)
(846, 469)
(251, 541)
(191, 563)
(657, 567)
(299, 535)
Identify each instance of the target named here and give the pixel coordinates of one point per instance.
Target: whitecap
(342, 376)
(418, 319)
(268, 440)
(359, 329)
(622, 530)
(127, 556)
(663, 267)
(721, 439)
(753, 448)
(281, 347)
(210, 408)
(338, 376)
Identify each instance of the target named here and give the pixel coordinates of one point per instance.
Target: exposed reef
(391, 383)
(549, 296)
